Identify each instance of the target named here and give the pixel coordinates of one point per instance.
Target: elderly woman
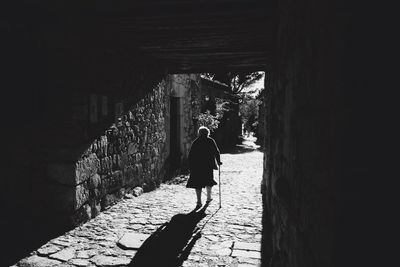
(203, 159)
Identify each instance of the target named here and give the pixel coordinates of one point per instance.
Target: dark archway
(323, 64)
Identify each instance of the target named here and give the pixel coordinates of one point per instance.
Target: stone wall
(329, 151)
(132, 153)
(301, 156)
(65, 163)
(131, 156)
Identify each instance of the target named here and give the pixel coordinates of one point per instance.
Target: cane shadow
(171, 243)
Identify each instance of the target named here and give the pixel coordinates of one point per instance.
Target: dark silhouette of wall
(323, 205)
(54, 112)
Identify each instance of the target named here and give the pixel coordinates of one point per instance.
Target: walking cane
(219, 178)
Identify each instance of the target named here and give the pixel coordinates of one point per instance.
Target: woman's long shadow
(172, 242)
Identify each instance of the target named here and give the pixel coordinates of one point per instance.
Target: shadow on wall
(171, 244)
(62, 168)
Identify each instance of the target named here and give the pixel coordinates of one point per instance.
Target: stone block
(86, 168)
(247, 246)
(139, 169)
(128, 190)
(82, 215)
(149, 186)
(64, 255)
(95, 181)
(101, 260)
(124, 159)
(137, 191)
(109, 200)
(128, 176)
(48, 249)
(117, 179)
(121, 192)
(95, 209)
(223, 252)
(80, 262)
(81, 195)
(109, 184)
(129, 196)
(246, 254)
(132, 240)
(155, 152)
(85, 254)
(37, 261)
(96, 193)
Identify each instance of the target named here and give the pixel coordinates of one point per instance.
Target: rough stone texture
(137, 191)
(79, 262)
(81, 195)
(247, 246)
(106, 261)
(48, 249)
(64, 255)
(246, 254)
(88, 138)
(132, 153)
(37, 261)
(301, 160)
(132, 240)
(96, 241)
(186, 87)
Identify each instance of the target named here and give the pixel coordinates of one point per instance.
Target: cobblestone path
(230, 237)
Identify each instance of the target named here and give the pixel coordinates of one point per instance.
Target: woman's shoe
(199, 204)
(209, 200)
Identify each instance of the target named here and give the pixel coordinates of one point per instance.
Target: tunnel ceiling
(182, 36)
(193, 36)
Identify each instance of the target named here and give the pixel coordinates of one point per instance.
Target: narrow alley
(102, 100)
(230, 236)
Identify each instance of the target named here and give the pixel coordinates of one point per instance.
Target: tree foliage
(236, 80)
(208, 120)
(222, 106)
(212, 121)
(249, 103)
(249, 108)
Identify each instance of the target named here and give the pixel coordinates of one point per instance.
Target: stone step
(247, 246)
(132, 240)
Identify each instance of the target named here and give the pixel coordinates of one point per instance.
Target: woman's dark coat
(203, 158)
